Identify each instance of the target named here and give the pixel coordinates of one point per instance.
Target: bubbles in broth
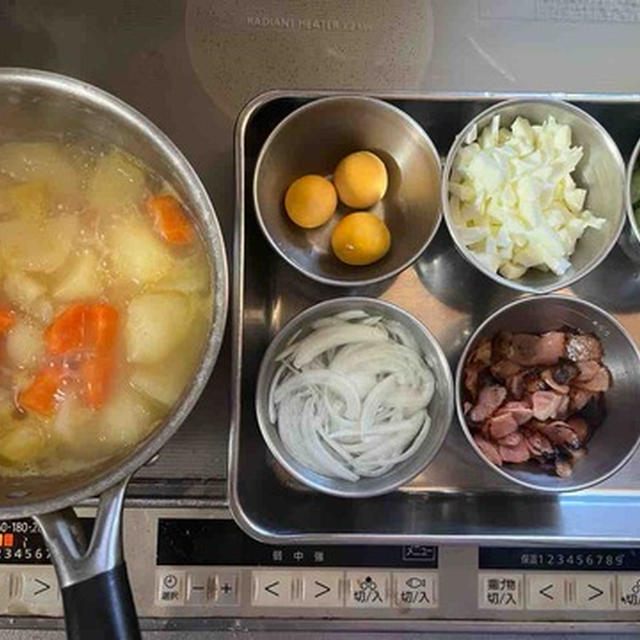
(105, 303)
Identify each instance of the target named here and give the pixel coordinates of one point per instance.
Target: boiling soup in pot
(105, 304)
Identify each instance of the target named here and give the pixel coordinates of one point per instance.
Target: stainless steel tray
(458, 499)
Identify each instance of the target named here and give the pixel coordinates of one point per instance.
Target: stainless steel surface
(601, 172)
(458, 499)
(75, 560)
(313, 139)
(440, 407)
(616, 440)
(37, 103)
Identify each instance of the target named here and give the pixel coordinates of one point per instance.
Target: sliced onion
(350, 397)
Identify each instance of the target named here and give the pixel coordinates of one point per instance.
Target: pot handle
(93, 577)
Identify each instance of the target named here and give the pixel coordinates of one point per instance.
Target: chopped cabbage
(513, 201)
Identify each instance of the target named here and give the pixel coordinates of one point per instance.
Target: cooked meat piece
(537, 443)
(533, 382)
(545, 404)
(587, 370)
(471, 372)
(519, 453)
(550, 381)
(564, 372)
(502, 346)
(531, 350)
(599, 383)
(504, 369)
(515, 385)
(580, 427)
(583, 346)
(482, 353)
(563, 468)
(501, 425)
(489, 449)
(536, 396)
(579, 399)
(558, 432)
(520, 411)
(562, 412)
(574, 454)
(512, 440)
(489, 399)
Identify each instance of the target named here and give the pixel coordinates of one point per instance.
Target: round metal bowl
(313, 139)
(601, 172)
(633, 221)
(440, 408)
(617, 438)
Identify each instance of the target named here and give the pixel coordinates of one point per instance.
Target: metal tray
(458, 499)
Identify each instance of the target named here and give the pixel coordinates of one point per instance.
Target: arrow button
(274, 588)
(38, 587)
(545, 592)
(41, 586)
(596, 592)
(324, 589)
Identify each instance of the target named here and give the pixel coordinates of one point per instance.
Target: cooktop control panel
(191, 563)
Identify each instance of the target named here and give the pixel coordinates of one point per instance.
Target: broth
(105, 304)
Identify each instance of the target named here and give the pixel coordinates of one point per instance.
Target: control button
(500, 591)
(275, 588)
(415, 590)
(367, 589)
(323, 589)
(171, 587)
(198, 588)
(37, 586)
(546, 591)
(629, 591)
(596, 591)
(226, 589)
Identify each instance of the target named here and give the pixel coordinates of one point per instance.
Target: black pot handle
(93, 577)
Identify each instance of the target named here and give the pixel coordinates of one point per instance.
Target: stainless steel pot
(95, 590)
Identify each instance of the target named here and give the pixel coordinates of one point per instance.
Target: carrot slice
(7, 320)
(97, 373)
(103, 324)
(97, 370)
(68, 332)
(39, 396)
(170, 219)
(93, 329)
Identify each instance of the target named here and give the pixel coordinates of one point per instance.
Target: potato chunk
(117, 186)
(28, 200)
(44, 162)
(137, 255)
(22, 290)
(157, 323)
(188, 275)
(126, 419)
(25, 345)
(82, 280)
(37, 246)
(21, 443)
